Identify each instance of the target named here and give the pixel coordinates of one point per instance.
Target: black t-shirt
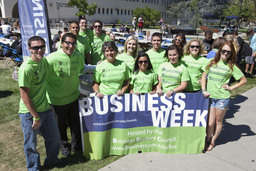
(208, 45)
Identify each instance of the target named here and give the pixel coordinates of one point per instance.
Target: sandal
(210, 147)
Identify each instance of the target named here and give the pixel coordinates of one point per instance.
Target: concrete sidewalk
(235, 148)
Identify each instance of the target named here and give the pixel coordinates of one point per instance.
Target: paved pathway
(235, 148)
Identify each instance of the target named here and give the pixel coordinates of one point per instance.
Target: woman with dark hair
(143, 80)
(194, 62)
(180, 40)
(172, 75)
(219, 71)
(111, 76)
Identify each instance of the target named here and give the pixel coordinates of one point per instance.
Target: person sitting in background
(148, 36)
(215, 47)
(114, 28)
(208, 41)
(56, 39)
(6, 29)
(122, 29)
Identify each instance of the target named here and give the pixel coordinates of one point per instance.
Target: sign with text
(120, 125)
(33, 22)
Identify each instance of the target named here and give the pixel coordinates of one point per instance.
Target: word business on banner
(120, 125)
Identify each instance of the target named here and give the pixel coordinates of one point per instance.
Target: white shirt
(6, 29)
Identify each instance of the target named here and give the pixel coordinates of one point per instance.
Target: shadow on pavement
(231, 132)
(234, 106)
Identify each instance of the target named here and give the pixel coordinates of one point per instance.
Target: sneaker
(251, 76)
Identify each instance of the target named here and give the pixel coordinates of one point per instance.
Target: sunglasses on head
(70, 43)
(226, 51)
(140, 62)
(38, 47)
(193, 46)
(97, 26)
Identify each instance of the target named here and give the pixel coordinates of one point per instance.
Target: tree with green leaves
(244, 9)
(83, 7)
(150, 16)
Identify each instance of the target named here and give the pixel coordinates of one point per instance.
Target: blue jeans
(49, 130)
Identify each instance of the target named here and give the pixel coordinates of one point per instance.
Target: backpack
(17, 45)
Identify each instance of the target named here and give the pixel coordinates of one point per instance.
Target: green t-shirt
(129, 60)
(194, 67)
(217, 76)
(32, 75)
(63, 79)
(172, 75)
(83, 45)
(96, 45)
(156, 58)
(143, 82)
(88, 34)
(111, 76)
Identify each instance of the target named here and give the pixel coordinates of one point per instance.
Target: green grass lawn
(11, 137)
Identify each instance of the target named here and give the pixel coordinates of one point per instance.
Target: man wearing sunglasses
(34, 109)
(62, 91)
(98, 39)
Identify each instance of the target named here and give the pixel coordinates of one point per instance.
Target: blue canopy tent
(232, 17)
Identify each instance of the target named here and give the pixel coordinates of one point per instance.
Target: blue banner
(33, 22)
(120, 125)
(130, 110)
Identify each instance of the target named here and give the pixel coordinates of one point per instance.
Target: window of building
(117, 11)
(125, 12)
(111, 11)
(103, 10)
(98, 10)
(121, 11)
(128, 12)
(107, 10)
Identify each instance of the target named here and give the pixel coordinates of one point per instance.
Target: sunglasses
(97, 26)
(36, 48)
(140, 62)
(70, 43)
(226, 51)
(192, 47)
(178, 40)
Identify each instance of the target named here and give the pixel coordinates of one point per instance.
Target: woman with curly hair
(193, 60)
(219, 71)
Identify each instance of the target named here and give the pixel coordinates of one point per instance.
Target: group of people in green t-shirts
(54, 80)
(176, 69)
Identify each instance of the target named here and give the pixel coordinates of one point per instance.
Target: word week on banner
(120, 125)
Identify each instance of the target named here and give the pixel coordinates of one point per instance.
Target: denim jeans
(49, 131)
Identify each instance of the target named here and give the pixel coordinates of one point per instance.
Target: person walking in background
(134, 24)
(34, 110)
(219, 71)
(140, 24)
(62, 91)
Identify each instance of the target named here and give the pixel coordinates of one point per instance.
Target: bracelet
(172, 91)
(36, 119)
(204, 91)
(97, 92)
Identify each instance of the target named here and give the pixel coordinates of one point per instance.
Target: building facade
(108, 11)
